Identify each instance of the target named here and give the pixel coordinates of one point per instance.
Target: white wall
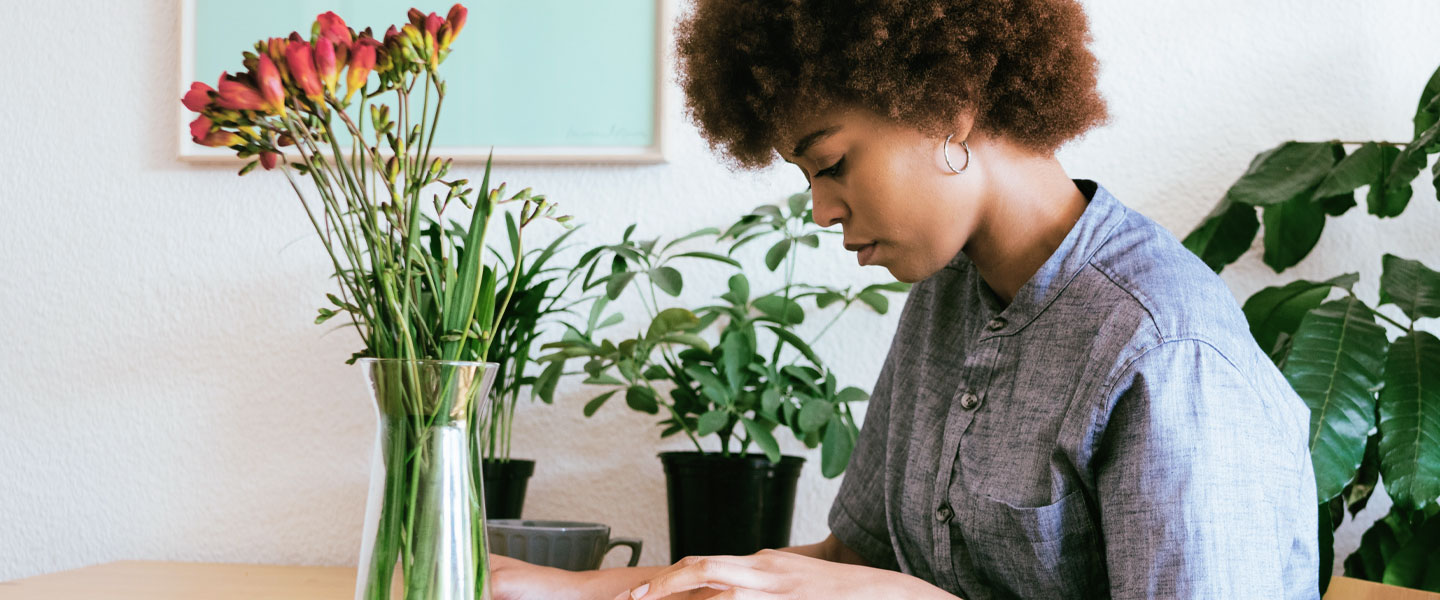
(163, 394)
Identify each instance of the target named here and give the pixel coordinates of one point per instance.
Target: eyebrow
(810, 140)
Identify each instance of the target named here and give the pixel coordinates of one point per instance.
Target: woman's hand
(778, 575)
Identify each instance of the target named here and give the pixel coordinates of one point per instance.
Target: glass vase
(424, 534)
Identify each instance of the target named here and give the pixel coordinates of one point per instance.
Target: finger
(715, 572)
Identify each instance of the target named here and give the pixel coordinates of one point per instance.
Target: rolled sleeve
(1204, 485)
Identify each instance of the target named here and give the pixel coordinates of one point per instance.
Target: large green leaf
(1427, 112)
(1361, 168)
(815, 414)
(1336, 360)
(668, 279)
(1404, 169)
(1225, 234)
(1410, 285)
(1327, 548)
(1291, 230)
(1276, 310)
(1416, 564)
(1410, 421)
(642, 398)
(671, 320)
(1390, 189)
(1282, 173)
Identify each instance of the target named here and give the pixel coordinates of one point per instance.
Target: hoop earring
(946, 147)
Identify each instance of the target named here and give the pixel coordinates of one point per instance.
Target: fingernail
(639, 592)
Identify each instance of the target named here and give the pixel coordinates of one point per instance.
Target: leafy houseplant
(1372, 382)
(539, 289)
(741, 388)
(421, 299)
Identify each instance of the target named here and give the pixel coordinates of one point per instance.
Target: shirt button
(944, 514)
(997, 324)
(969, 401)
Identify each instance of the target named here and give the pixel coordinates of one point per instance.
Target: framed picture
(539, 81)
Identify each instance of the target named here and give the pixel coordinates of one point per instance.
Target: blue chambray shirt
(1113, 432)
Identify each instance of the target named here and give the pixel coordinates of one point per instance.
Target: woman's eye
(832, 170)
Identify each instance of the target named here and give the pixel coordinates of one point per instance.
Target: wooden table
(137, 580)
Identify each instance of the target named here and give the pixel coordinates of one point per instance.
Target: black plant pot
(505, 482)
(737, 505)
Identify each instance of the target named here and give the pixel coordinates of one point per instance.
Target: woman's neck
(1029, 208)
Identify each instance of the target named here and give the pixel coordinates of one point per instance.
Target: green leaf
(462, 300)
(770, 401)
(1388, 195)
(1407, 165)
(1276, 310)
(811, 240)
(825, 299)
(1410, 421)
(1225, 234)
(690, 236)
(595, 403)
(549, 378)
(739, 289)
(686, 339)
(735, 353)
(1427, 112)
(852, 394)
(711, 256)
(798, 202)
(1291, 230)
(781, 309)
(777, 253)
(1410, 566)
(1285, 172)
(712, 422)
(1410, 285)
(1327, 548)
(874, 300)
(671, 320)
(710, 385)
(668, 280)
(1336, 360)
(762, 438)
(814, 414)
(616, 283)
(836, 449)
(642, 398)
(1359, 169)
(789, 337)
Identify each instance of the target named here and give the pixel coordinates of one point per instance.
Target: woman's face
(888, 187)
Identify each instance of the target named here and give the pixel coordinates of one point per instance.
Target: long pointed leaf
(1335, 363)
(1410, 421)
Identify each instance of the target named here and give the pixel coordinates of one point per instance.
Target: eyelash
(833, 170)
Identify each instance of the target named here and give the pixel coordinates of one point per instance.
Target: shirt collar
(1102, 215)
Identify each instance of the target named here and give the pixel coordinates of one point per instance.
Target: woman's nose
(828, 210)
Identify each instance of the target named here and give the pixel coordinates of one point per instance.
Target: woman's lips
(866, 255)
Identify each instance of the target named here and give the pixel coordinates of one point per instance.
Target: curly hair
(751, 69)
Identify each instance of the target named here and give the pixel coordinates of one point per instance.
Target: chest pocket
(1052, 551)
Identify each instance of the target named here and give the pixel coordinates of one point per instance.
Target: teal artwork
(538, 80)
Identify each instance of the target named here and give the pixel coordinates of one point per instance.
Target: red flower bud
(198, 97)
(456, 19)
(325, 64)
(391, 33)
(333, 27)
(362, 61)
(433, 23)
(201, 132)
(269, 160)
(271, 88)
(417, 18)
(301, 61)
(237, 95)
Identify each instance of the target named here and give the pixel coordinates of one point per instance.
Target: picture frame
(578, 82)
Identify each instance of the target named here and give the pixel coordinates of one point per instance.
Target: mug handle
(633, 543)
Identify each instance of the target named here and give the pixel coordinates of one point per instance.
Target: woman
(1072, 406)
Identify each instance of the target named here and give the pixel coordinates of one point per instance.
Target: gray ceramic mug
(568, 545)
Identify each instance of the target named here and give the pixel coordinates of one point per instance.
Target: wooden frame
(651, 153)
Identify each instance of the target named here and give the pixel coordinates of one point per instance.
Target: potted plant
(740, 385)
(540, 288)
(1372, 382)
(423, 302)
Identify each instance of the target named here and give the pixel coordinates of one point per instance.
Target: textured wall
(163, 394)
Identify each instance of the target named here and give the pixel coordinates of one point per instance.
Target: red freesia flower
(433, 23)
(302, 69)
(272, 89)
(236, 94)
(362, 61)
(453, 24)
(198, 97)
(333, 28)
(325, 63)
(203, 131)
(417, 18)
(269, 160)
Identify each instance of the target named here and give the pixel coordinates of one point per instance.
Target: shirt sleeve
(857, 518)
(1204, 484)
